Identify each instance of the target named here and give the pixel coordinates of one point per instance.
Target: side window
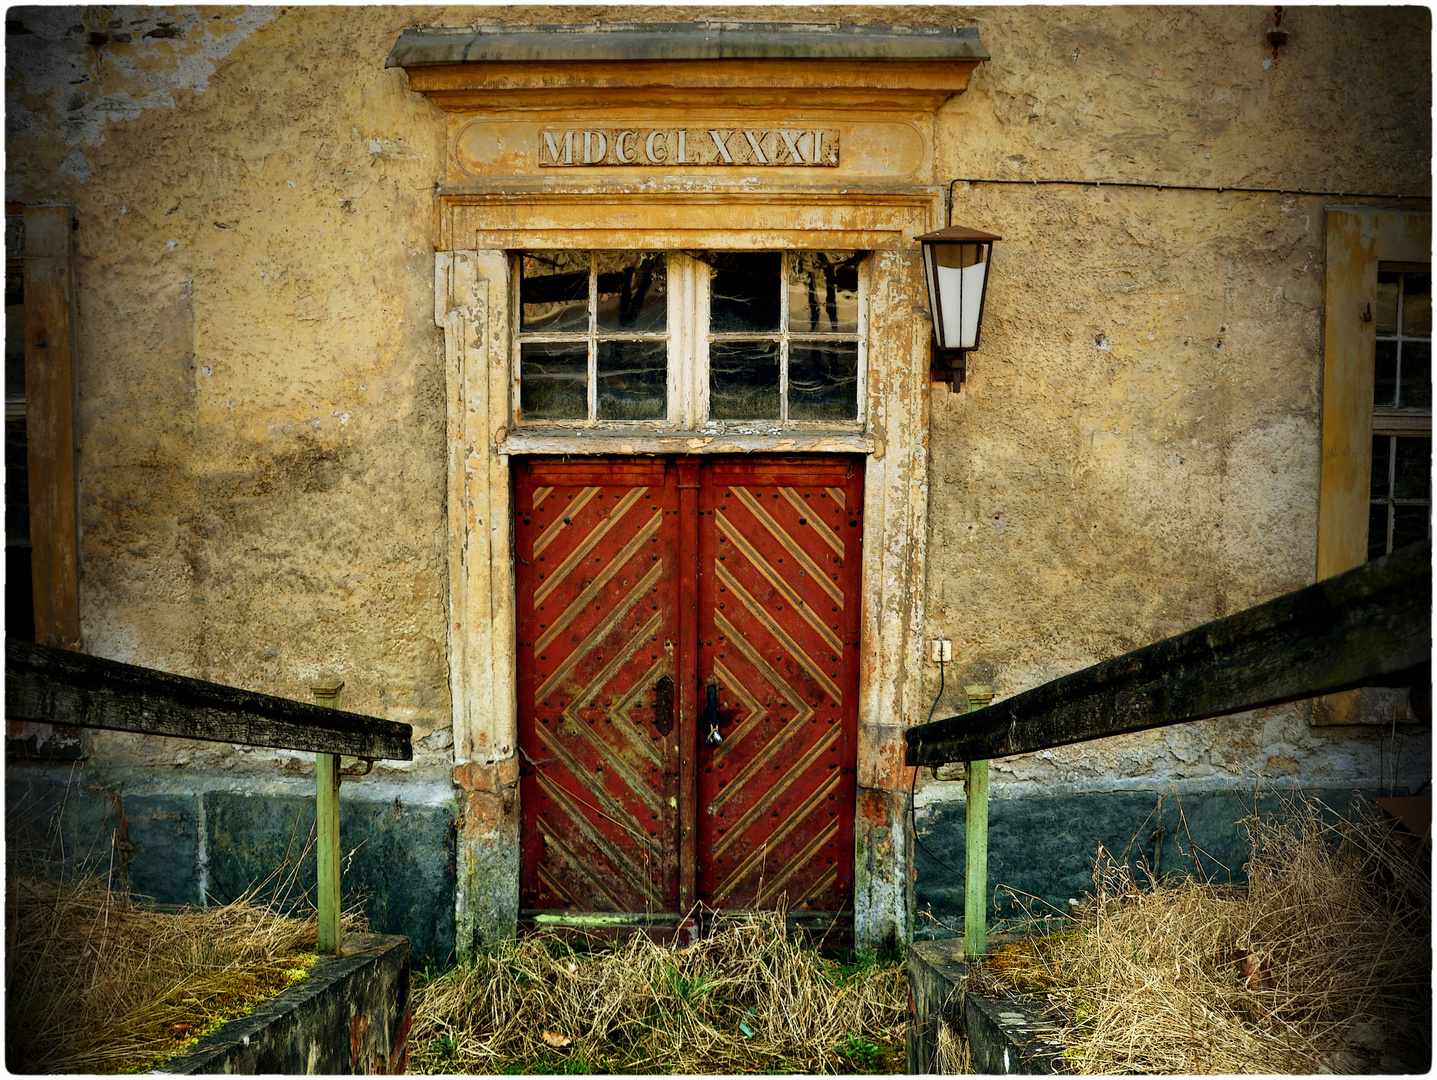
(614, 339)
(1401, 489)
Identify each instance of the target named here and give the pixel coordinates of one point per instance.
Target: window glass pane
(823, 380)
(554, 380)
(1377, 531)
(633, 380)
(1416, 389)
(1384, 387)
(1416, 305)
(1388, 282)
(14, 334)
(744, 296)
(1412, 476)
(554, 292)
(743, 380)
(823, 292)
(633, 292)
(1409, 525)
(17, 484)
(1381, 466)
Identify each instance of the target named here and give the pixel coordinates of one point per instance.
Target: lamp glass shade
(957, 274)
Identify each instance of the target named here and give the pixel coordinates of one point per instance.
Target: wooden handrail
(1368, 627)
(54, 686)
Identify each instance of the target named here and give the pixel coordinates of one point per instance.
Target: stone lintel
(681, 66)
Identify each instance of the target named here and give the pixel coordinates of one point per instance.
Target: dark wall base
(1044, 846)
(177, 848)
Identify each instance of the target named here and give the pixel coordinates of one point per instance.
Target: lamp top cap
(958, 234)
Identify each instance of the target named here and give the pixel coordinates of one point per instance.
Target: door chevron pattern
(781, 616)
(595, 571)
(640, 582)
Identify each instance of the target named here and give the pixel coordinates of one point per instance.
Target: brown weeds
(748, 999)
(1321, 963)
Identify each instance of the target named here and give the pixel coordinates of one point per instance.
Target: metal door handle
(711, 713)
(664, 705)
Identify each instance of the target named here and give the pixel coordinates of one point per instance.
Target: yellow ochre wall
(261, 421)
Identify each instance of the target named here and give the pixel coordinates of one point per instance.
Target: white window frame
(688, 357)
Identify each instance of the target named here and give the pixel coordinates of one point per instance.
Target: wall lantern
(955, 262)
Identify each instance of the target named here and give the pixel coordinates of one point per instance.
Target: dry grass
(98, 982)
(748, 999)
(1322, 963)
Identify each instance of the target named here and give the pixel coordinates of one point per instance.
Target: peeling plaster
(158, 52)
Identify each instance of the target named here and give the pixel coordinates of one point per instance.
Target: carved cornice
(682, 65)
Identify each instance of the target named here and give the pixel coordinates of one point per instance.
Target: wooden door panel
(778, 629)
(597, 563)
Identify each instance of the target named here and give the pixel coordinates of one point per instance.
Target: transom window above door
(750, 340)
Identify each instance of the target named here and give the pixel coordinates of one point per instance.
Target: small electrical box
(942, 650)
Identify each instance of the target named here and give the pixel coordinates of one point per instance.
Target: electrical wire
(1154, 186)
(913, 787)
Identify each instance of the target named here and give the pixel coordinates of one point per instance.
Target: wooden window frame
(1358, 239)
(689, 338)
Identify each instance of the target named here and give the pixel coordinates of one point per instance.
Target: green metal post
(975, 879)
(326, 776)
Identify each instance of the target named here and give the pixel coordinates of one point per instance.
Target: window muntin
(1400, 493)
(771, 338)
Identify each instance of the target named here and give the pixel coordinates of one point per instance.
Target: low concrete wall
(1014, 1036)
(351, 1015)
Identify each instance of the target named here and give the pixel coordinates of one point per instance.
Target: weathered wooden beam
(1369, 626)
(52, 686)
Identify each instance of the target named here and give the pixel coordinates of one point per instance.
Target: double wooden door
(688, 676)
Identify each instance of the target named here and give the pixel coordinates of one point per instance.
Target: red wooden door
(596, 547)
(640, 583)
(778, 634)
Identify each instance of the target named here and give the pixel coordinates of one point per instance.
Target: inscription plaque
(593, 147)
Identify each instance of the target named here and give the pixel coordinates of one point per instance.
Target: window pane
(554, 380)
(17, 484)
(1412, 477)
(1409, 525)
(1377, 531)
(1388, 282)
(14, 334)
(633, 380)
(743, 380)
(744, 296)
(633, 292)
(823, 292)
(1384, 387)
(823, 380)
(1416, 389)
(1381, 466)
(554, 292)
(1417, 305)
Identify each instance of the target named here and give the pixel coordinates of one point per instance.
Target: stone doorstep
(350, 1015)
(1015, 1035)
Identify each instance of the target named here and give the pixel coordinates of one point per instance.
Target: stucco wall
(1137, 448)
(261, 421)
